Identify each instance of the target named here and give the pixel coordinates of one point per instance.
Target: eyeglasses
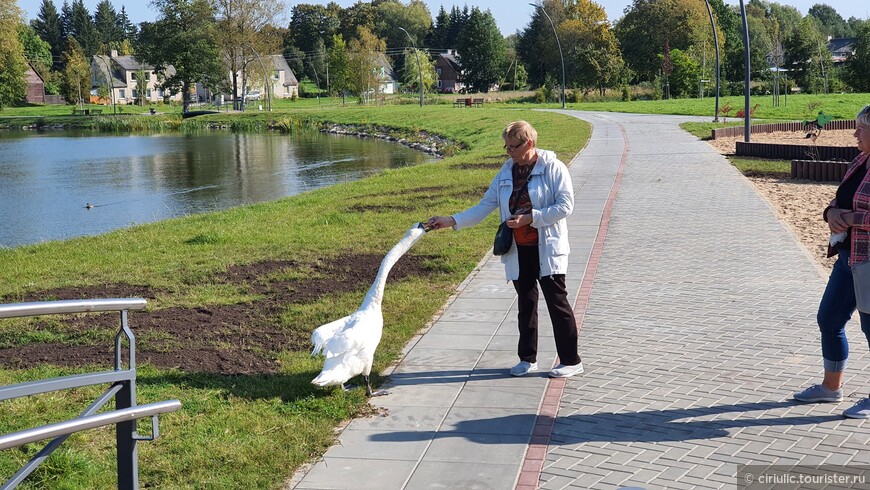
(514, 147)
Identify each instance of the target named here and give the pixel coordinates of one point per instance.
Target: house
(389, 78)
(841, 49)
(35, 86)
(122, 72)
(283, 83)
(449, 71)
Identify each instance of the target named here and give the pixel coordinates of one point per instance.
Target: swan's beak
(425, 228)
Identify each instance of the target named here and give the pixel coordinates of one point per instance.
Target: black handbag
(504, 236)
(504, 239)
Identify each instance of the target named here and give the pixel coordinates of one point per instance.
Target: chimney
(113, 53)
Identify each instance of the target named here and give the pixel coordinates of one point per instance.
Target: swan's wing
(321, 335)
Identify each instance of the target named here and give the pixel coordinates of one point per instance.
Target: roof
(452, 59)
(841, 48)
(280, 64)
(102, 64)
(382, 61)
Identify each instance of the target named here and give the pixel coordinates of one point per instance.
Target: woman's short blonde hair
(863, 117)
(522, 131)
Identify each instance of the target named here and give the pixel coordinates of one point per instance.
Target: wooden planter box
(796, 152)
(818, 170)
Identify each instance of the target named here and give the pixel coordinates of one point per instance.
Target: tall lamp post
(111, 85)
(559, 44)
(746, 66)
(419, 67)
(267, 81)
(715, 43)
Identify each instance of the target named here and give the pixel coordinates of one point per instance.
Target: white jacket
(552, 196)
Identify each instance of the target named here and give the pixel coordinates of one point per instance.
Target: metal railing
(122, 387)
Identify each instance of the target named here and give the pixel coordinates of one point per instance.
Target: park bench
(87, 112)
(460, 102)
(122, 387)
(478, 102)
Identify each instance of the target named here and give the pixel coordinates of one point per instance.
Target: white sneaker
(524, 368)
(563, 371)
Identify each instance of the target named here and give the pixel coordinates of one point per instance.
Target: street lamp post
(111, 85)
(715, 43)
(559, 44)
(746, 66)
(267, 81)
(419, 67)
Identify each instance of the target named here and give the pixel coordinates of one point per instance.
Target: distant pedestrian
(848, 217)
(534, 195)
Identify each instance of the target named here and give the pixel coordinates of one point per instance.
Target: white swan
(349, 343)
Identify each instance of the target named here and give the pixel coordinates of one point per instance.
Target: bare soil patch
(225, 339)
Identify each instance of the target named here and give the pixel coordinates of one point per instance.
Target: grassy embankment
(252, 431)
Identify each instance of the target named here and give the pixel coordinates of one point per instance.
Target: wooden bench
(459, 102)
(478, 102)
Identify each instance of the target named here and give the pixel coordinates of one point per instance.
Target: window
(122, 93)
(276, 75)
(135, 93)
(439, 71)
(439, 83)
(148, 93)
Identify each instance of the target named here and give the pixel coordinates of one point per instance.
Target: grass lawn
(254, 430)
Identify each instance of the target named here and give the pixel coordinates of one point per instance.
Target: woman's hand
(839, 220)
(519, 220)
(438, 222)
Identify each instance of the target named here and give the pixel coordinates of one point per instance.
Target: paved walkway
(696, 308)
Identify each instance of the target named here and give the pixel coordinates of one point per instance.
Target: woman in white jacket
(534, 194)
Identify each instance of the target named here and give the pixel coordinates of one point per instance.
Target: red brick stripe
(536, 453)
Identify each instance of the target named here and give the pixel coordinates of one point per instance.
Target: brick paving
(697, 320)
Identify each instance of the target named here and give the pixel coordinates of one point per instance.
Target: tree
(808, 58)
(647, 24)
(415, 18)
(830, 22)
(536, 45)
(686, 75)
(339, 66)
(858, 64)
(13, 84)
(481, 48)
(75, 79)
(437, 36)
(240, 39)
(81, 27)
(364, 53)
(182, 37)
(107, 26)
(411, 74)
(127, 28)
(49, 26)
(592, 56)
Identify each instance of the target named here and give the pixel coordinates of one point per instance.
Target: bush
(626, 93)
(545, 94)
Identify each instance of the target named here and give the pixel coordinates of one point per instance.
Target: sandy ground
(799, 203)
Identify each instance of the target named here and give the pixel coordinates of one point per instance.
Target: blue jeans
(835, 310)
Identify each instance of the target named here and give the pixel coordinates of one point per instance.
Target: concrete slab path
(697, 314)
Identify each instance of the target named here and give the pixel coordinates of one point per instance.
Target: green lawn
(253, 431)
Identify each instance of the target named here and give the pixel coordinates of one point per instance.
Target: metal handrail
(70, 306)
(20, 438)
(122, 388)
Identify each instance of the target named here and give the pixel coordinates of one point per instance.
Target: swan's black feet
(371, 393)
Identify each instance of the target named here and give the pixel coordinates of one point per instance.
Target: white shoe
(563, 371)
(524, 368)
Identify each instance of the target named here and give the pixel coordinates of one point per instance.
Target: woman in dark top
(848, 217)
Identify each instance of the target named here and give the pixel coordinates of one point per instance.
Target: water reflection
(46, 179)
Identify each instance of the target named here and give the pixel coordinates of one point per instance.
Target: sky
(510, 15)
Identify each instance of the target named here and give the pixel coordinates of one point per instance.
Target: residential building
(389, 78)
(35, 86)
(122, 72)
(841, 49)
(449, 70)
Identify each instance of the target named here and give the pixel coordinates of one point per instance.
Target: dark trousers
(561, 313)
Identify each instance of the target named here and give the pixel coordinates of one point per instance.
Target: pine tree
(49, 27)
(106, 24)
(482, 50)
(81, 27)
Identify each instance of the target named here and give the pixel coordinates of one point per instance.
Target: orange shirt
(521, 203)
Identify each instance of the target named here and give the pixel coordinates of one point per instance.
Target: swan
(349, 343)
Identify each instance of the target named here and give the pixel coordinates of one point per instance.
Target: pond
(58, 185)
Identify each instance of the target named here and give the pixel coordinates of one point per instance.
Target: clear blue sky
(510, 15)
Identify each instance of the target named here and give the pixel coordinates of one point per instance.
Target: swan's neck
(375, 295)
